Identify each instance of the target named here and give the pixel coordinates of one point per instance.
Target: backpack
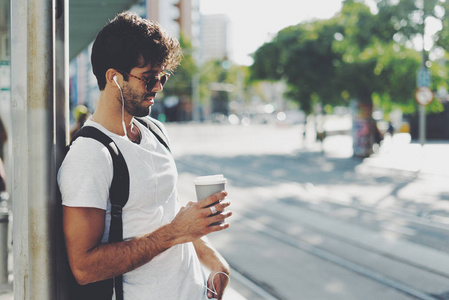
(118, 195)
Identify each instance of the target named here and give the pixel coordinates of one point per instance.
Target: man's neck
(109, 114)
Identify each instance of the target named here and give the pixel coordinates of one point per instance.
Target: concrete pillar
(39, 95)
(41, 135)
(19, 97)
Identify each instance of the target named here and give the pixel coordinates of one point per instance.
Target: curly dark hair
(129, 41)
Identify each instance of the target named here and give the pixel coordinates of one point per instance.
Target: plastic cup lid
(211, 179)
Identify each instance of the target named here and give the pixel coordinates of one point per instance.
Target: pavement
(400, 153)
(6, 291)
(396, 154)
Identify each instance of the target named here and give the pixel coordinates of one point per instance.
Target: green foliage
(270, 70)
(302, 56)
(181, 81)
(223, 72)
(354, 55)
(405, 17)
(442, 37)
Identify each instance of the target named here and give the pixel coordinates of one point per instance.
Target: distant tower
(214, 37)
(176, 16)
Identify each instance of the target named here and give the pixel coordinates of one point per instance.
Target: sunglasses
(162, 77)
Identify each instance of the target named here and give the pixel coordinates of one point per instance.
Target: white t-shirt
(84, 180)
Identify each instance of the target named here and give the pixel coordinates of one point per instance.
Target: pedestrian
(164, 245)
(81, 114)
(390, 129)
(377, 136)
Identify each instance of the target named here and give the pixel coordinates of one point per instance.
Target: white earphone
(123, 104)
(115, 80)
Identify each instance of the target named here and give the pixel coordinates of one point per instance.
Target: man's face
(138, 100)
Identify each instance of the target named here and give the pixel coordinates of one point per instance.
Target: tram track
(255, 179)
(312, 194)
(287, 220)
(337, 260)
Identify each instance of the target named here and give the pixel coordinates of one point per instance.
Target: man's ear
(113, 78)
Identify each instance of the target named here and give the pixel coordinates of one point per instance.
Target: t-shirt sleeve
(85, 175)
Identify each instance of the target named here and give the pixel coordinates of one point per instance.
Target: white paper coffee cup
(209, 185)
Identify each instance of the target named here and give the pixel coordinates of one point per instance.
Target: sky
(253, 22)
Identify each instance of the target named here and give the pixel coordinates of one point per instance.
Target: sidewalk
(397, 153)
(402, 154)
(6, 293)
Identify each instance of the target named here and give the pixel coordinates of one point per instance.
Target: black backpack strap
(118, 194)
(156, 129)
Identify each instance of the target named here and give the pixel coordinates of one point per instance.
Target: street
(312, 222)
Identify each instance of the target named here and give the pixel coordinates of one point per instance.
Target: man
(163, 243)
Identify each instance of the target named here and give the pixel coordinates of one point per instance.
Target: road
(311, 222)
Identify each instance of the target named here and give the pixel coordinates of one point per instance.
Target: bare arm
(209, 257)
(91, 261)
(213, 260)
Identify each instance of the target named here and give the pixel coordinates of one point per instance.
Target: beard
(133, 103)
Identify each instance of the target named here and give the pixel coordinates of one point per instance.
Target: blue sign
(423, 77)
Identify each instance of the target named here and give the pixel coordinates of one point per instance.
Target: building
(176, 16)
(214, 37)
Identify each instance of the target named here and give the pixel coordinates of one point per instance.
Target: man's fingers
(218, 227)
(220, 217)
(217, 197)
(219, 207)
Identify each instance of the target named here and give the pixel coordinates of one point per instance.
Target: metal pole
(19, 96)
(422, 125)
(422, 109)
(41, 137)
(196, 97)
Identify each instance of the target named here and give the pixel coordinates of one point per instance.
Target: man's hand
(216, 284)
(194, 220)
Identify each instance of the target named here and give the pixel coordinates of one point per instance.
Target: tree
(180, 86)
(333, 61)
(302, 56)
(407, 18)
(353, 55)
(372, 62)
(181, 80)
(222, 82)
(442, 37)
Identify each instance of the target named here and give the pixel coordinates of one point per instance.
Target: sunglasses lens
(164, 79)
(151, 84)
(153, 81)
